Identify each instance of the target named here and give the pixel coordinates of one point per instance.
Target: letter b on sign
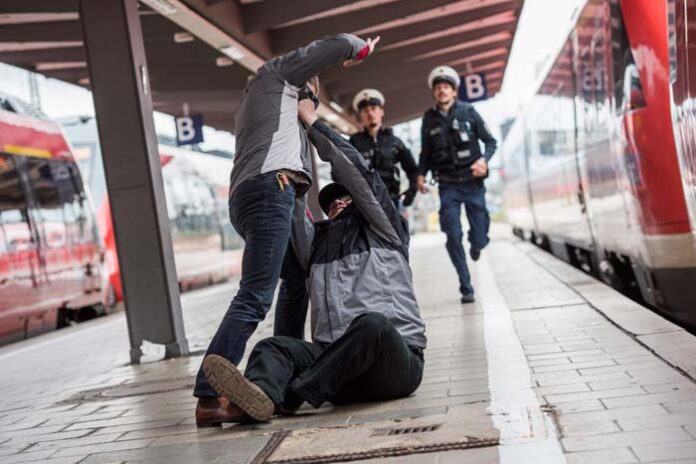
(473, 88)
(189, 130)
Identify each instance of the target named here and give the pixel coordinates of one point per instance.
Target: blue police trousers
(472, 196)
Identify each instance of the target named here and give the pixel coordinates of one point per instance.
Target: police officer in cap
(450, 136)
(383, 150)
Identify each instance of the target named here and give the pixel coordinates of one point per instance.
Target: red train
(206, 247)
(51, 258)
(592, 169)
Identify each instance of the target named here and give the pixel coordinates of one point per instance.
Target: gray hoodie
(268, 133)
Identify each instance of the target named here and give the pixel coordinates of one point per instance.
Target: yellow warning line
(27, 151)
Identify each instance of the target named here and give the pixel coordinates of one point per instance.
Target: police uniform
(384, 154)
(450, 146)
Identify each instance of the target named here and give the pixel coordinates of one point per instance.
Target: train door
(20, 279)
(82, 231)
(625, 99)
(584, 126)
(599, 165)
(62, 266)
(682, 63)
(195, 228)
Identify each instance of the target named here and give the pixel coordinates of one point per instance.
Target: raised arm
(299, 65)
(367, 189)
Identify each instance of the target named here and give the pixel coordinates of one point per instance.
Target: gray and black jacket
(268, 133)
(358, 262)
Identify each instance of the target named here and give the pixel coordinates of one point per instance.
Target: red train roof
(27, 136)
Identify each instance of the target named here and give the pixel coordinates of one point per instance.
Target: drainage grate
(404, 430)
(328, 445)
(148, 387)
(387, 452)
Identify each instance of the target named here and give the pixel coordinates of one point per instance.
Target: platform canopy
(201, 52)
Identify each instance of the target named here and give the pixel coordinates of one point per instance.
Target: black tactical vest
(454, 146)
(381, 155)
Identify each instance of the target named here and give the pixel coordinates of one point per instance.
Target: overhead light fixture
(336, 106)
(40, 67)
(183, 37)
(163, 7)
(232, 51)
(222, 61)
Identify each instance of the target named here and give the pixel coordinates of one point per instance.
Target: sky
(543, 26)
(542, 29)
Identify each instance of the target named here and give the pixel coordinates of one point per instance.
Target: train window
(13, 207)
(45, 180)
(621, 51)
(5, 105)
(672, 40)
(633, 90)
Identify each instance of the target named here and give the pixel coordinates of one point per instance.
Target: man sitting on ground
(368, 335)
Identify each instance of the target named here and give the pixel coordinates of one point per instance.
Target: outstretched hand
(371, 43)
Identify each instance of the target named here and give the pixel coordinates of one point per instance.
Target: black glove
(409, 196)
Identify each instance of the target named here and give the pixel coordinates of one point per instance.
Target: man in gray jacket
(368, 335)
(271, 169)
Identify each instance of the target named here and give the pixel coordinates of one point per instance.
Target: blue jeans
(261, 213)
(452, 196)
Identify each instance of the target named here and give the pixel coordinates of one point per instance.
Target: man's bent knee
(372, 322)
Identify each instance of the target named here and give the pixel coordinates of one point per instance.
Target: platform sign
(473, 88)
(189, 130)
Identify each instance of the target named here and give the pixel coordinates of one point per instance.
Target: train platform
(548, 366)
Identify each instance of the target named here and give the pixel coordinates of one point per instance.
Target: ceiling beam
(388, 60)
(422, 28)
(52, 55)
(37, 6)
(231, 94)
(290, 37)
(67, 31)
(395, 89)
(354, 80)
(63, 31)
(402, 53)
(228, 16)
(69, 75)
(263, 15)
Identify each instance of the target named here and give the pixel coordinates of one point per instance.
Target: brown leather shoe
(212, 412)
(229, 383)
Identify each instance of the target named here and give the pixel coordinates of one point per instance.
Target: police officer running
(450, 137)
(383, 150)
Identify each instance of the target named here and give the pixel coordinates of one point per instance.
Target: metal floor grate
(405, 430)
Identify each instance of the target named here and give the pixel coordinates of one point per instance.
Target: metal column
(119, 80)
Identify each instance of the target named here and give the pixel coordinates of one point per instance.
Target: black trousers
(370, 362)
